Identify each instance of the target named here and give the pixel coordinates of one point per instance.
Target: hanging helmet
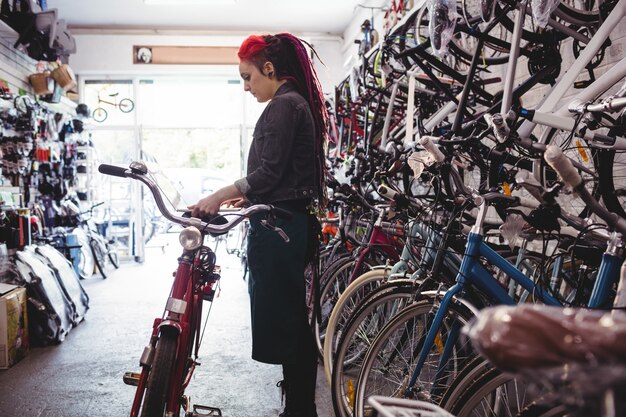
(83, 110)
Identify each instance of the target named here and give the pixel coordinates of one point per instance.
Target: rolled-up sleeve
(243, 186)
(274, 144)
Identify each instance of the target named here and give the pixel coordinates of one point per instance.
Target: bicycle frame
(599, 86)
(183, 314)
(194, 282)
(473, 273)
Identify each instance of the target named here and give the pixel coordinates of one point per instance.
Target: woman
(285, 169)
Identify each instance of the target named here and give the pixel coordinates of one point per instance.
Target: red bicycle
(169, 359)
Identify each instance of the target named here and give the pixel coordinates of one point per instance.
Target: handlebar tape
(112, 170)
(562, 165)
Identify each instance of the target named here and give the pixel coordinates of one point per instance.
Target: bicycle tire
(571, 14)
(334, 285)
(394, 336)
(339, 313)
(474, 368)
(99, 256)
(612, 181)
(491, 390)
(546, 406)
(113, 258)
(86, 262)
(99, 114)
(359, 331)
(126, 105)
(158, 383)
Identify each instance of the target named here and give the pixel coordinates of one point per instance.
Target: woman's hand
(235, 202)
(208, 205)
(211, 204)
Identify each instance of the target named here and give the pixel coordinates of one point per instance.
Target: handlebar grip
(562, 165)
(433, 150)
(112, 170)
(386, 192)
(281, 213)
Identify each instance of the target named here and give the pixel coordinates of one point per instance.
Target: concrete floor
(83, 375)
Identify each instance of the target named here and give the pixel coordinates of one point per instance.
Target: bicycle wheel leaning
(113, 256)
(99, 256)
(155, 398)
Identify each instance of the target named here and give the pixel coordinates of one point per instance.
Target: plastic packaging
(542, 9)
(418, 161)
(576, 354)
(442, 17)
(531, 337)
(512, 228)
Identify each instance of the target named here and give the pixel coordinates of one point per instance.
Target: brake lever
(276, 229)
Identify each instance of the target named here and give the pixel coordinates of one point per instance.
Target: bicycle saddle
(527, 337)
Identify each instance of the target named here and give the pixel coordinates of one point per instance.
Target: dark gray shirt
(281, 161)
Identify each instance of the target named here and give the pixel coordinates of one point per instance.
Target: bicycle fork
(177, 311)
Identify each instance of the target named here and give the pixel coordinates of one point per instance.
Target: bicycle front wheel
(158, 384)
(99, 114)
(392, 357)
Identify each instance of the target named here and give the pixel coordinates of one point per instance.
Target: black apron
(277, 289)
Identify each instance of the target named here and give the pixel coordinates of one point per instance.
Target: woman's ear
(268, 69)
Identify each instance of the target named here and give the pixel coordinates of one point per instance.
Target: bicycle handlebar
(135, 172)
(563, 166)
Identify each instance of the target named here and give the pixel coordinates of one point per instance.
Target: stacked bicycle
(431, 155)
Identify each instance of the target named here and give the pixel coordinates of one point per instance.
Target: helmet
(82, 110)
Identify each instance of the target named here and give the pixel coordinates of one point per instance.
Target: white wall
(105, 54)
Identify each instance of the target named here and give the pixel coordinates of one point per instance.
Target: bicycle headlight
(190, 238)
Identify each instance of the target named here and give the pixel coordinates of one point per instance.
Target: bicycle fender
(172, 325)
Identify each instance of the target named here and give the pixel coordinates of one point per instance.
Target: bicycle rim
(342, 312)
(359, 333)
(391, 359)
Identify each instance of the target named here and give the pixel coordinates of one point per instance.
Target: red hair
(251, 48)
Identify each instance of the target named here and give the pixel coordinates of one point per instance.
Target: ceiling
(297, 16)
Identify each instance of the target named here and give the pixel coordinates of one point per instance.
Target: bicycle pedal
(131, 378)
(204, 411)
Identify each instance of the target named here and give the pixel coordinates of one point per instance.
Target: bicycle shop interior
(469, 254)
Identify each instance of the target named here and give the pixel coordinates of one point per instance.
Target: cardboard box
(13, 325)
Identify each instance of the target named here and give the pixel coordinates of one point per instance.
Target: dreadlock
(291, 62)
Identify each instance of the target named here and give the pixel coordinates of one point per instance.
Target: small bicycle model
(125, 105)
(169, 359)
